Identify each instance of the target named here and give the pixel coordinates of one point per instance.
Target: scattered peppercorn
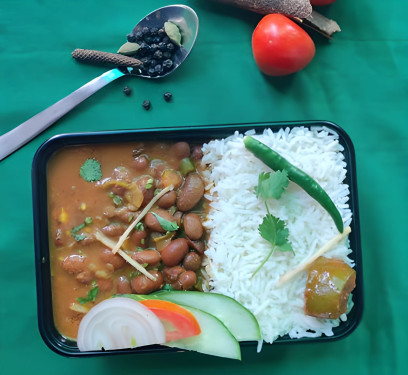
(127, 90)
(167, 96)
(146, 104)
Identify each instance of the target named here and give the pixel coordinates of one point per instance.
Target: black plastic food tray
(192, 134)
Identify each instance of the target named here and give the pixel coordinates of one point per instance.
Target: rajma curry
(94, 194)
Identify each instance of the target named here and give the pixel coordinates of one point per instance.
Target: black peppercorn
(131, 38)
(158, 69)
(146, 104)
(158, 55)
(162, 46)
(167, 96)
(167, 64)
(127, 90)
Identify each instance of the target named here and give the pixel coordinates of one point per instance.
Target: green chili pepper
(278, 163)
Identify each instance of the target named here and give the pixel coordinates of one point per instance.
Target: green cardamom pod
(173, 32)
(128, 48)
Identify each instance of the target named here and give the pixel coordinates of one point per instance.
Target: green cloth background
(358, 80)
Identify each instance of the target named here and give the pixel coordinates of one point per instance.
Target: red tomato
(321, 2)
(280, 46)
(178, 322)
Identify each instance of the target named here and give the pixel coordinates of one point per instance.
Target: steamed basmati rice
(235, 247)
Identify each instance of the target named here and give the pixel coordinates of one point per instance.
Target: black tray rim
(60, 345)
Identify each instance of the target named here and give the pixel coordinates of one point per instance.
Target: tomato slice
(178, 322)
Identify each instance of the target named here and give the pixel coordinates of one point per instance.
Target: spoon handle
(22, 134)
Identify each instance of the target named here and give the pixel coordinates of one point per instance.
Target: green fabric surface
(358, 80)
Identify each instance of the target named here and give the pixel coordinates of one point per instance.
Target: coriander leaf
(168, 226)
(78, 237)
(78, 228)
(91, 170)
(274, 231)
(272, 185)
(75, 230)
(139, 226)
(167, 287)
(90, 296)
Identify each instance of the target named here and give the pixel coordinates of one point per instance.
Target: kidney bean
(114, 259)
(138, 237)
(105, 285)
(113, 230)
(118, 190)
(197, 153)
(58, 238)
(88, 240)
(198, 246)
(141, 163)
(75, 263)
(85, 277)
(120, 213)
(146, 184)
(151, 257)
(121, 173)
(174, 252)
(192, 226)
(191, 192)
(156, 168)
(123, 285)
(178, 215)
(185, 281)
(143, 285)
(192, 261)
(180, 150)
(171, 274)
(152, 222)
(167, 200)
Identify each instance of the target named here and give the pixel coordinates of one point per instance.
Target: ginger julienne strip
(125, 235)
(324, 249)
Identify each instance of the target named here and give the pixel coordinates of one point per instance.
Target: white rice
(235, 248)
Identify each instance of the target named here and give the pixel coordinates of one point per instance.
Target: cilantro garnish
(272, 229)
(90, 296)
(272, 185)
(91, 170)
(168, 226)
(74, 231)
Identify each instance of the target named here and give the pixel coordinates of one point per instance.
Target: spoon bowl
(181, 15)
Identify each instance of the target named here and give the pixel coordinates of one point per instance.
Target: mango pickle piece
(328, 287)
(134, 195)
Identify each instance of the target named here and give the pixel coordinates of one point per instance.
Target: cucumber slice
(214, 339)
(238, 319)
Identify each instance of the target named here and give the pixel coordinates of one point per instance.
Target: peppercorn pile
(154, 47)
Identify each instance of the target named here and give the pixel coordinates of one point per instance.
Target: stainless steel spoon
(183, 16)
